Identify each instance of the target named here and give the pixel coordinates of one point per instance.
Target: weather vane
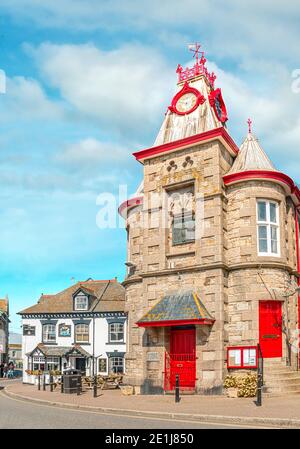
(249, 121)
(195, 48)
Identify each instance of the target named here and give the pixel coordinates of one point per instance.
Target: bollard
(44, 382)
(51, 383)
(177, 398)
(39, 382)
(259, 388)
(62, 384)
(95, 386)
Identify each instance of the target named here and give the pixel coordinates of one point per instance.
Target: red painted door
(182, 359)
(270, 328)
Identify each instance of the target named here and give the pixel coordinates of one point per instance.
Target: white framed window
(81, 302)
(116, 332)
(49, 333)
(38, 363)
(116, 365)
(82, 333)
(268, 228)
(53, 363)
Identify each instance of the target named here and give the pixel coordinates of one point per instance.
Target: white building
(82, 327)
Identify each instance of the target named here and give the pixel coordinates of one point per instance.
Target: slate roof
(106, 296)
(251, 157)
(177, 307)
(59, 351)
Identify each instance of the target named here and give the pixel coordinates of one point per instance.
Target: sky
(87, 84)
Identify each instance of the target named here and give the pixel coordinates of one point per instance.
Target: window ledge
(183, 253)
(116, 343)
(187, 242)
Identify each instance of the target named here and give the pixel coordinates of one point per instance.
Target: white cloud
(233, 28)
(90, 151)
(123, 89)
(25, 99)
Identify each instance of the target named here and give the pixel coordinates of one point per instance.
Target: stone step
(282, 393)
(282, 382)
(282, 388)
(277, 361)
(283, 370)
(279, 377)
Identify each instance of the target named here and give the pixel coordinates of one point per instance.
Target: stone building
(213, 249)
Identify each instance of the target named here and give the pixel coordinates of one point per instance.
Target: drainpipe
(93, 359)
(298, 267)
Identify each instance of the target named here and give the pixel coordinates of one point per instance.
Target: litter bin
(71, 381)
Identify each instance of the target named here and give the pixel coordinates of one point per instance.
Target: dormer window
(81, 302)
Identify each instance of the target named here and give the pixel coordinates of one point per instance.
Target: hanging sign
(64, 330)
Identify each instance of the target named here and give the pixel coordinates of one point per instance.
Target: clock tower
(176, 285)
(197, 106)
(213, 250)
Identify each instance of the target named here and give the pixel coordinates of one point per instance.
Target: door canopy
(177, 310)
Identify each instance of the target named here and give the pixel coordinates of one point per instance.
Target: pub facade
(82, 327)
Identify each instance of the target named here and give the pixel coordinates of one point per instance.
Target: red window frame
(242, 365)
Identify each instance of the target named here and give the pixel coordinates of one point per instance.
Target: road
(18, 414)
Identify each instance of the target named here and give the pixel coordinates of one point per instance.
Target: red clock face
(217, 102)
(186, 100)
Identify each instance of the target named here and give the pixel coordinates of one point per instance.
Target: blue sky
(88, 83)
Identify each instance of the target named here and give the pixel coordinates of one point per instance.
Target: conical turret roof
(251, 157)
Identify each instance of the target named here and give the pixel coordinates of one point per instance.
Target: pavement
(19, 414)
(279, 412)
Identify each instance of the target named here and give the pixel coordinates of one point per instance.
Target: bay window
(38, 363)
(268, 228)
(53, 363)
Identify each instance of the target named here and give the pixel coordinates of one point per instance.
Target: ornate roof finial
(249, 121)
(195, 48)
(198, 68)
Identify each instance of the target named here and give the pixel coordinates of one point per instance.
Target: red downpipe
(298, 268)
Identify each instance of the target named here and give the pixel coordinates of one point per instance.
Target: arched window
(116, 332)
(82, 333)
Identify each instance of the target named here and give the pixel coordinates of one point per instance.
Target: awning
(177, 310)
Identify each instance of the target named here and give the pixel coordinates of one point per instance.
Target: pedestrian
(1, 369)
(10, 372)
(5, 370)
